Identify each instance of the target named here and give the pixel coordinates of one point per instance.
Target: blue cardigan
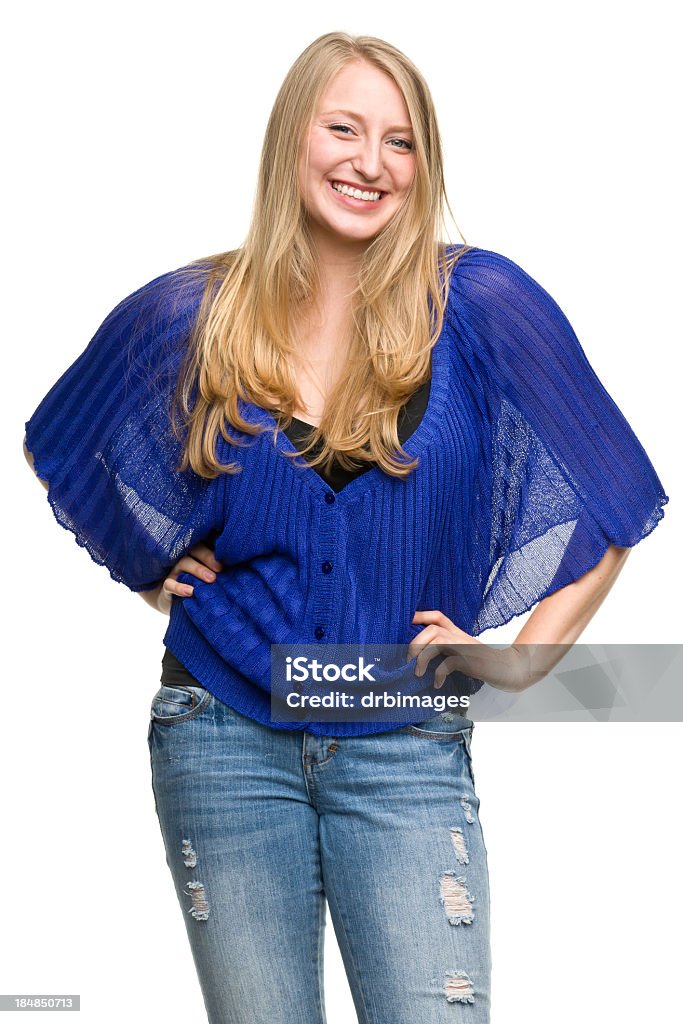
(527, 472)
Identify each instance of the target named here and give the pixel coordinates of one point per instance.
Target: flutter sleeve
(102, 440)
(562, 473)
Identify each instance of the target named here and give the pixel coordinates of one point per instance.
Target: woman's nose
(368, 161)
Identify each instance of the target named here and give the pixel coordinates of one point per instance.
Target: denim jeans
(263, 826)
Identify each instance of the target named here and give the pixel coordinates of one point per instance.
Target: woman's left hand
(508, 670)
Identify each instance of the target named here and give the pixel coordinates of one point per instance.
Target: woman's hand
(200, 561)
(510, 670)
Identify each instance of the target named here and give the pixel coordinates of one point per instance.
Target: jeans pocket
(172, 705)
(445, 726)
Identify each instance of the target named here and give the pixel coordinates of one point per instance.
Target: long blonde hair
(241, 341)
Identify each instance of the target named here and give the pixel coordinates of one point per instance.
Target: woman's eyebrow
(359, 117)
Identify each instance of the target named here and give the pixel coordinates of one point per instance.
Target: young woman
(344, 432)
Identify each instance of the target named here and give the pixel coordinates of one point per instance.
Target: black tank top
(409, 418)
(173, 672)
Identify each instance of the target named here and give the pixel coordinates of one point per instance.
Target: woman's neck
(338, 262)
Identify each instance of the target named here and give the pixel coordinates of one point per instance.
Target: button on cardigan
(527, 472)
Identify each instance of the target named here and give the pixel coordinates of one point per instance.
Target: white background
(132, 140)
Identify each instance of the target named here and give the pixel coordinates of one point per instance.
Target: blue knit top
(527, 471)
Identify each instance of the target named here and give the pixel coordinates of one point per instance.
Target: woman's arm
(561, 617)
(152, 597)
(558, 620)
(553, 626)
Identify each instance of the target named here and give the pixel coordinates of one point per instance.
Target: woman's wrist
(508, 669)
(157, 599)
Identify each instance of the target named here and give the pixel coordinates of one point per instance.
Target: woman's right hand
(200, 561)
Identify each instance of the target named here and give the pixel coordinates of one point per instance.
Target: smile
(357, 196)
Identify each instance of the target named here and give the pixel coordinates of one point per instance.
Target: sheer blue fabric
(101, 438)
(563, 474)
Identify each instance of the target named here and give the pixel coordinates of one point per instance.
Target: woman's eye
(405, 144)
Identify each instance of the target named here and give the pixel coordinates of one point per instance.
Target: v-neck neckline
(428, 382)
(414, 445)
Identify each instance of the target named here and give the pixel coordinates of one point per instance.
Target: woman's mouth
(354, 198)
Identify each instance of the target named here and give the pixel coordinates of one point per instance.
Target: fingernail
(208, 575)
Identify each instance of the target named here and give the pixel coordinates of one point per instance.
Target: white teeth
(355, 192)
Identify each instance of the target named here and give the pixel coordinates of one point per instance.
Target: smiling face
(360, 139)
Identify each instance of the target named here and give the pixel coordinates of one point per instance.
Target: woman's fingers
(203, 553)
(172, 586)
(200, 562)
(196, 568)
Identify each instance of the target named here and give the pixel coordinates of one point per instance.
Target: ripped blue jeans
(264, 827)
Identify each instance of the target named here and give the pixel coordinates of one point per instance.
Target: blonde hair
(242, 338)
